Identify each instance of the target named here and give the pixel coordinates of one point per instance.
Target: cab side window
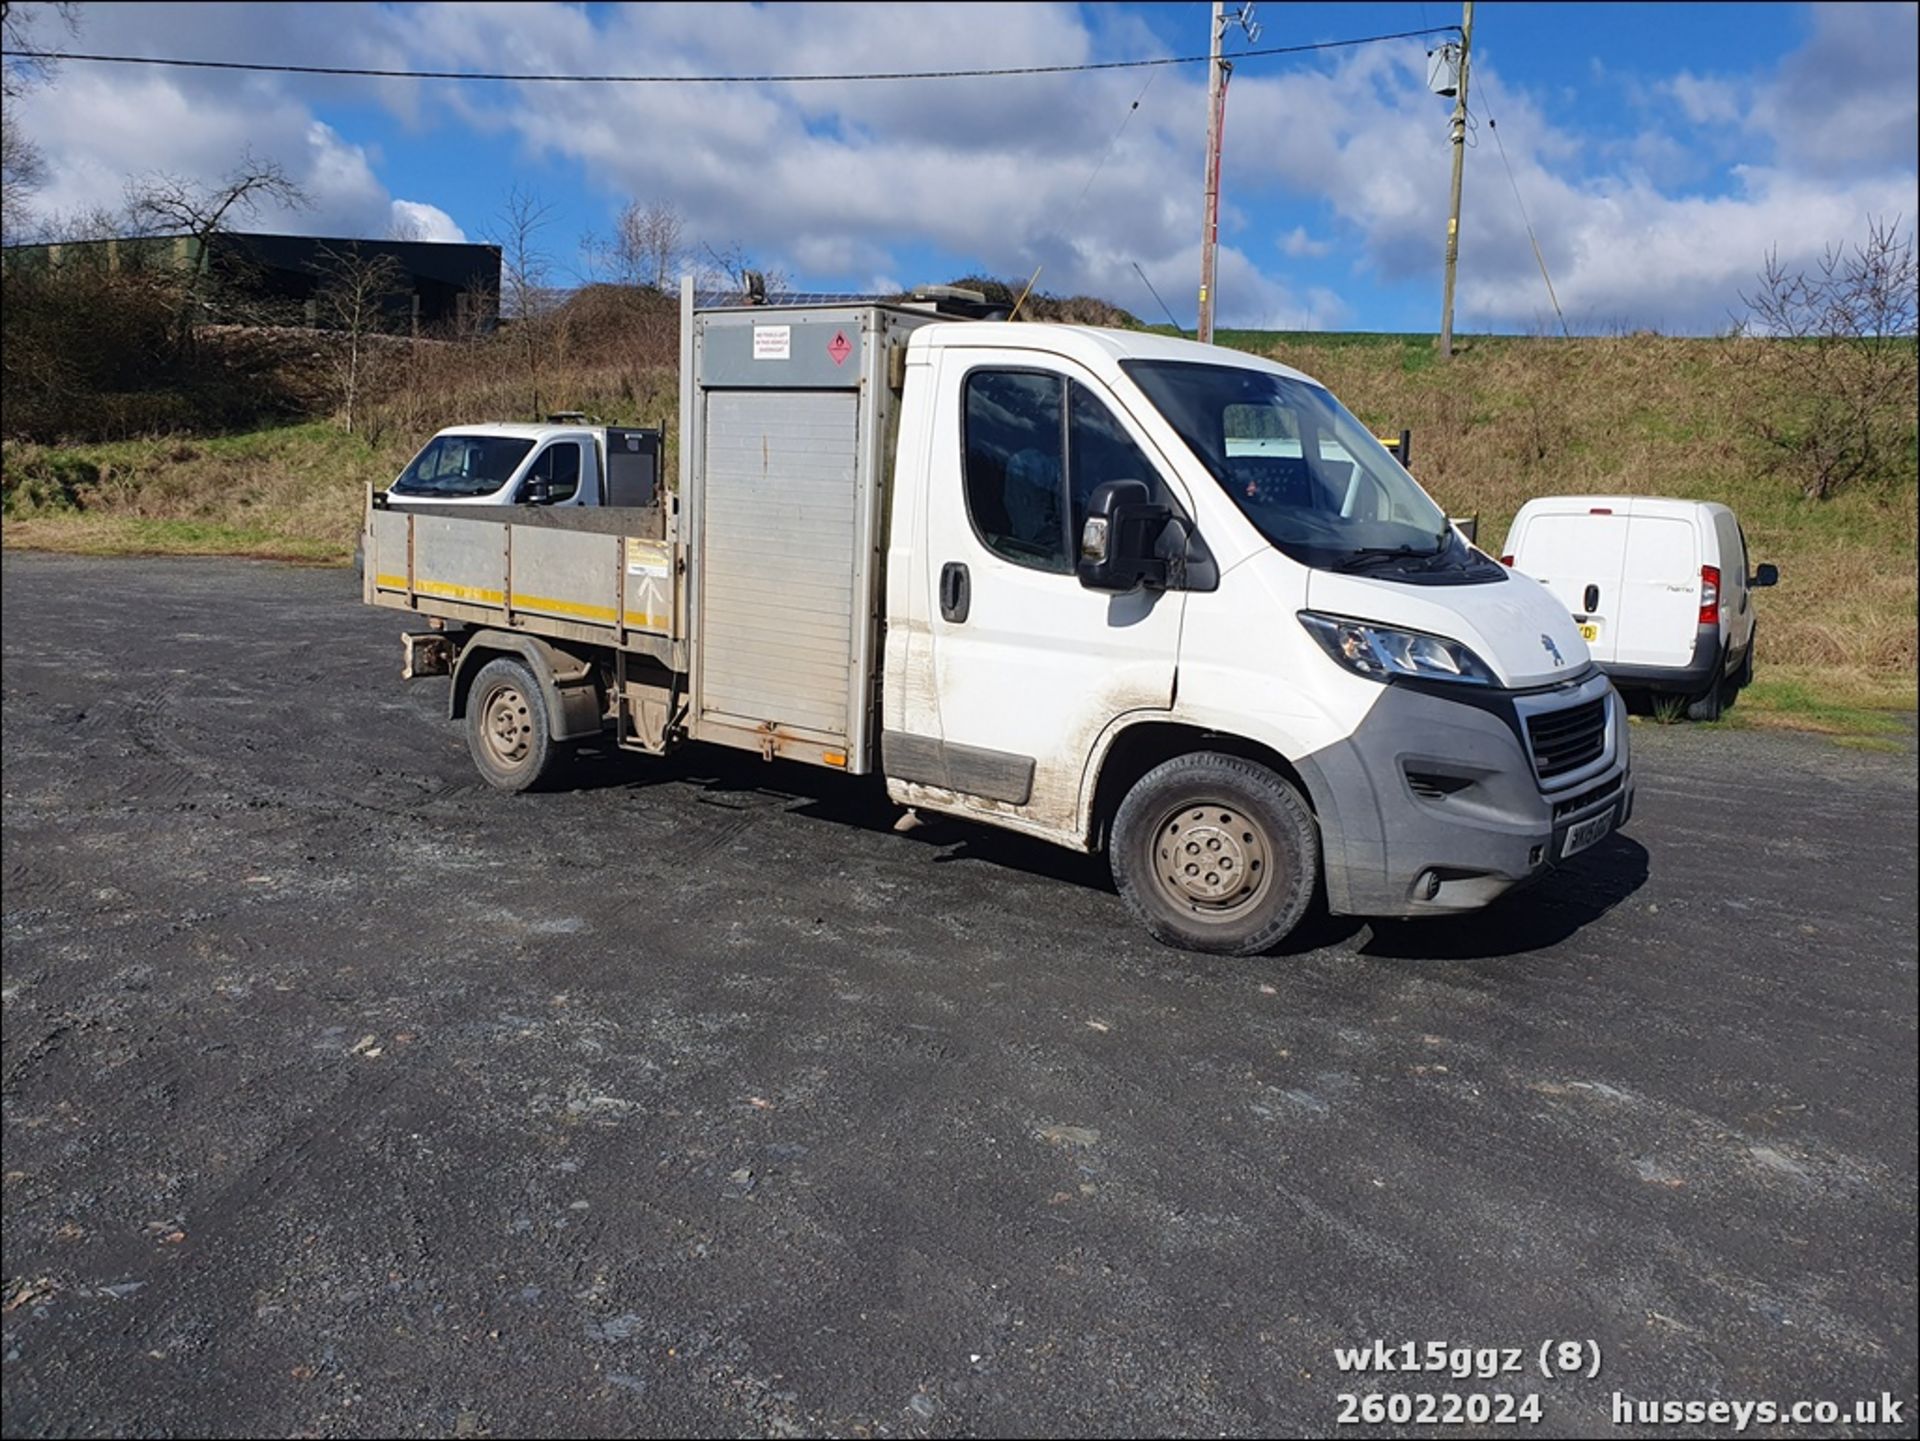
(1014, 437)
(559, 465)
(1037, 447)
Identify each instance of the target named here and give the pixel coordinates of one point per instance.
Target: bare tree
(23, 169)
(647, 246)
(76, 227)
(526, 273)
(733, 269)
(163, 204)
(356, 289)
(1836, 351)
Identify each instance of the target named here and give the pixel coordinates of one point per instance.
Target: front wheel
(1215, 853)
(507, 730)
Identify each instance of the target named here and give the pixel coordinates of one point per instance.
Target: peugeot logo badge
(1552, 649)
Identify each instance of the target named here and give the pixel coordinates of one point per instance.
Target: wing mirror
(1119, 543)
(1766, 575)
(536, 492)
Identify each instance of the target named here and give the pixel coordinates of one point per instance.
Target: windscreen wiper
(1367, 557)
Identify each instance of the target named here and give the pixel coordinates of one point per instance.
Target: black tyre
(1215, 853)
(1743, 677)
(507, 729)
(1707, 707)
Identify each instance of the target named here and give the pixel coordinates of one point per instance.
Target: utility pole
(1210, 237)
(1219, 71)
(1453, 209)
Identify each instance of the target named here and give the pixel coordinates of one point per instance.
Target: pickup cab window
(559, 466)
(462, 466)
(1037, 446)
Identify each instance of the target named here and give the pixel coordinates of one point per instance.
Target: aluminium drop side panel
(460, 558)
(569, 575)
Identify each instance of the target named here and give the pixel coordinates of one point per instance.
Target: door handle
(956, 592)
(1592, 599)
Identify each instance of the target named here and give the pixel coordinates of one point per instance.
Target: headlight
(1383, 653)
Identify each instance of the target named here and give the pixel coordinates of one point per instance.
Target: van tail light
(1507, 561)
(1709, 595)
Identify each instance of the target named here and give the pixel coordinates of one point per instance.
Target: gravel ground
(344, 1096)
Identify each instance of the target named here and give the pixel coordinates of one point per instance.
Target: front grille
(1572, 805)
(1565, 740)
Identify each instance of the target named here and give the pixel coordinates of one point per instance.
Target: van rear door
(1579, 556)
(1660, 592)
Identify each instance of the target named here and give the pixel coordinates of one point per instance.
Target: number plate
(1590, 631)
(1588, 832)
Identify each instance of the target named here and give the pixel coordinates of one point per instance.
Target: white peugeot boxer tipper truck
(1117, 591)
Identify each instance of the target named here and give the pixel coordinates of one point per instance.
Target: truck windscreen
(462, 466)
(1310, 477)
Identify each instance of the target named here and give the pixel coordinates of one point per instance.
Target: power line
(1532, 239)
(847, 78)
(1177, 329)
(1113, 144)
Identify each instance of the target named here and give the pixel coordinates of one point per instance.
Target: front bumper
(1433, 805)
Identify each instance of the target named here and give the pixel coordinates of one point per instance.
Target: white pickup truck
(567, 461)
(1106, 588)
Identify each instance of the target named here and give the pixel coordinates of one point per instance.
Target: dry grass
(1508, 420)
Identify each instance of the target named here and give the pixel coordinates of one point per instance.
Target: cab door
(1030, 666)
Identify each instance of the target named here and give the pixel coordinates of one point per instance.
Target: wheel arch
(568, 683)
(1138, 747)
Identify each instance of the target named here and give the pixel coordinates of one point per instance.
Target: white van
(1660, 589)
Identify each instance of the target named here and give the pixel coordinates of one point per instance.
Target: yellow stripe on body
(551, 604)
(451, 591)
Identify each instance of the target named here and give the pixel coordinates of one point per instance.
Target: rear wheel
(1215, 853)
(507, 730)
(1707, 707)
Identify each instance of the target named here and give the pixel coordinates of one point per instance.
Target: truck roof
(523, 429)
(1096, 346)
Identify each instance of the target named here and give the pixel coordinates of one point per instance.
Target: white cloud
(1705, 100)
(1297, 243)
(416, 220)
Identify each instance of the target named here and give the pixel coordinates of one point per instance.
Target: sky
(1661, 151)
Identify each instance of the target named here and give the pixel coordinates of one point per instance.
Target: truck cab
(1112, 552)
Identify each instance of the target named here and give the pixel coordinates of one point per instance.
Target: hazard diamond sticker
(839, 347)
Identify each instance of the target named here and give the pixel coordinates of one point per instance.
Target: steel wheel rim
(1211, 859)
(506, 726)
